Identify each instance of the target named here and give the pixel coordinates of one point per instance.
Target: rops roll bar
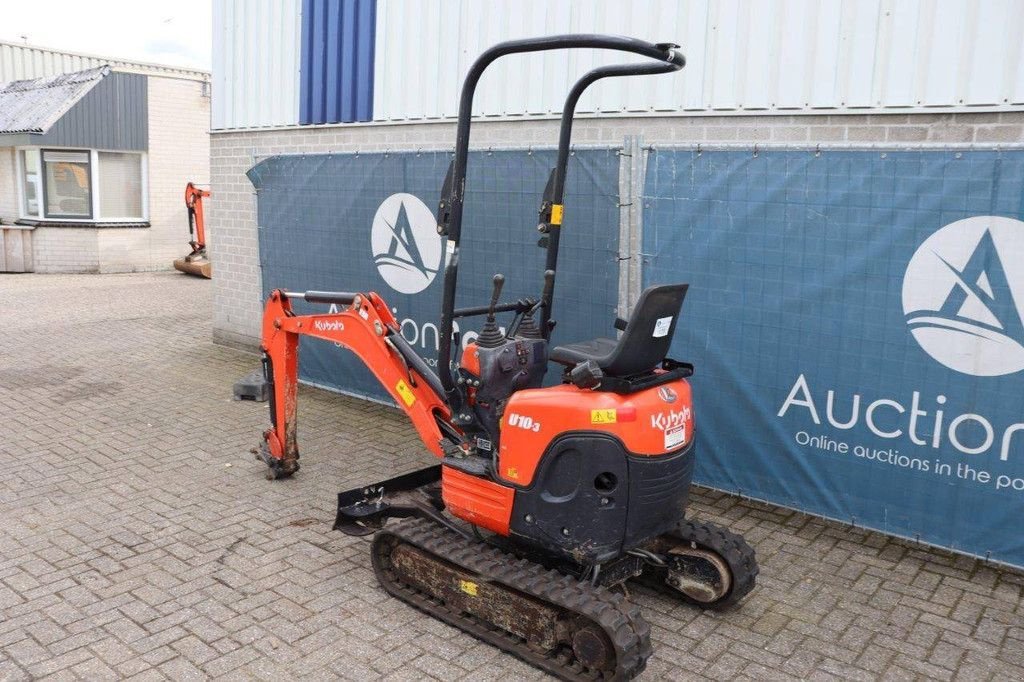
(449, 212)
(555, 192)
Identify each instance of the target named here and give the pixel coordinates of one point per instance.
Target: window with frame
(32, 183)
(82, 185)
(120, 188)
(67, 184)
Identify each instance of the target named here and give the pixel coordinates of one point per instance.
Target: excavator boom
(364, 326)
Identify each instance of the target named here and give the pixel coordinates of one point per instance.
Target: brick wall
(15, 244)
(179, 151)
(237, 285)
(65, 249)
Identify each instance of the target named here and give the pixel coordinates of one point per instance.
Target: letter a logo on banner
(405, 243)
(962, 295)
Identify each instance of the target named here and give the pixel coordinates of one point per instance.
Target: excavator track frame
(568, 628)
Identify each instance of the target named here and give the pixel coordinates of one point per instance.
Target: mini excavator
(545, 500)
(197, 262)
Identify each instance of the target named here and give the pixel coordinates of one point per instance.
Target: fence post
(632, 168)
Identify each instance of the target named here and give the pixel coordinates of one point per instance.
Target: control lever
(499, 282)
(490, 335)
(527, 327)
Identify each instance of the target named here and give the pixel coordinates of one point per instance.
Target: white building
(94, 157)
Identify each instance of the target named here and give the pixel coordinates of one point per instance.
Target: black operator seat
(643, 345)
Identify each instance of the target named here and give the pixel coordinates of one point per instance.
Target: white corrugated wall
(744, 56)
(760, 56)
(256, 46)
(20, 62)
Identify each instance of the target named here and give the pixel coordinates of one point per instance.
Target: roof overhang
(15, 139)
(94, 108)
(34, 106)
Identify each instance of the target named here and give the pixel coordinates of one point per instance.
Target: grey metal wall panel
(113, 115)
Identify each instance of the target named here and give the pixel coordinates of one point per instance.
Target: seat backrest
(648, 334)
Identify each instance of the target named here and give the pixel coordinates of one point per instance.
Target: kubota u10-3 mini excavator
(545, 499)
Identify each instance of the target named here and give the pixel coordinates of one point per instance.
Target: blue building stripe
(366, 15)
(337, 70)
(332, 63)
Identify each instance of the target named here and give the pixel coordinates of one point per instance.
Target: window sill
(34, 222)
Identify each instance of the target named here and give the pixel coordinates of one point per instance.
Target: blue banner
(855, 321)
(365, 222)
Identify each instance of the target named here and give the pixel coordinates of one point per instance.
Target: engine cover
(648, 423)
(597, 473)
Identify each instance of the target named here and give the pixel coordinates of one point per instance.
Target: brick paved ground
(140, 539)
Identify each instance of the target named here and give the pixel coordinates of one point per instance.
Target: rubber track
(620, 619)
(731, 547)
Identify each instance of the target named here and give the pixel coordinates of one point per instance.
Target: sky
(175, 33)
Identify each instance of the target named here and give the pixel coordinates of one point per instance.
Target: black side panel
(659, 489)
(591, 500)
(577, 505)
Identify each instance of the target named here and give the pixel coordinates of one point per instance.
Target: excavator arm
(196, 262)
(366, 327)
(196, 222)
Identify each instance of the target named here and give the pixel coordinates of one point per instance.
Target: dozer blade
(565, 627)
(199, 268)
(364, 510)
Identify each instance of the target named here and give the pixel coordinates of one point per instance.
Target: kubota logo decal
(328, 326)
(962, 295)
(406, 247)
(671, 419)
(673, 425)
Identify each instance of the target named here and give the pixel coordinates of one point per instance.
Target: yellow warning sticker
(468, 586)
(603, 416)
(556, 214)
(512, 472)
(408, 397)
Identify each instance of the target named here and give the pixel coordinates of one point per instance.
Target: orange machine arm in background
(367, 328)
(194, 203)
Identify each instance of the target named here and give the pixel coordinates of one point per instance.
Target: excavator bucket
(195, 264)
(197, 268)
